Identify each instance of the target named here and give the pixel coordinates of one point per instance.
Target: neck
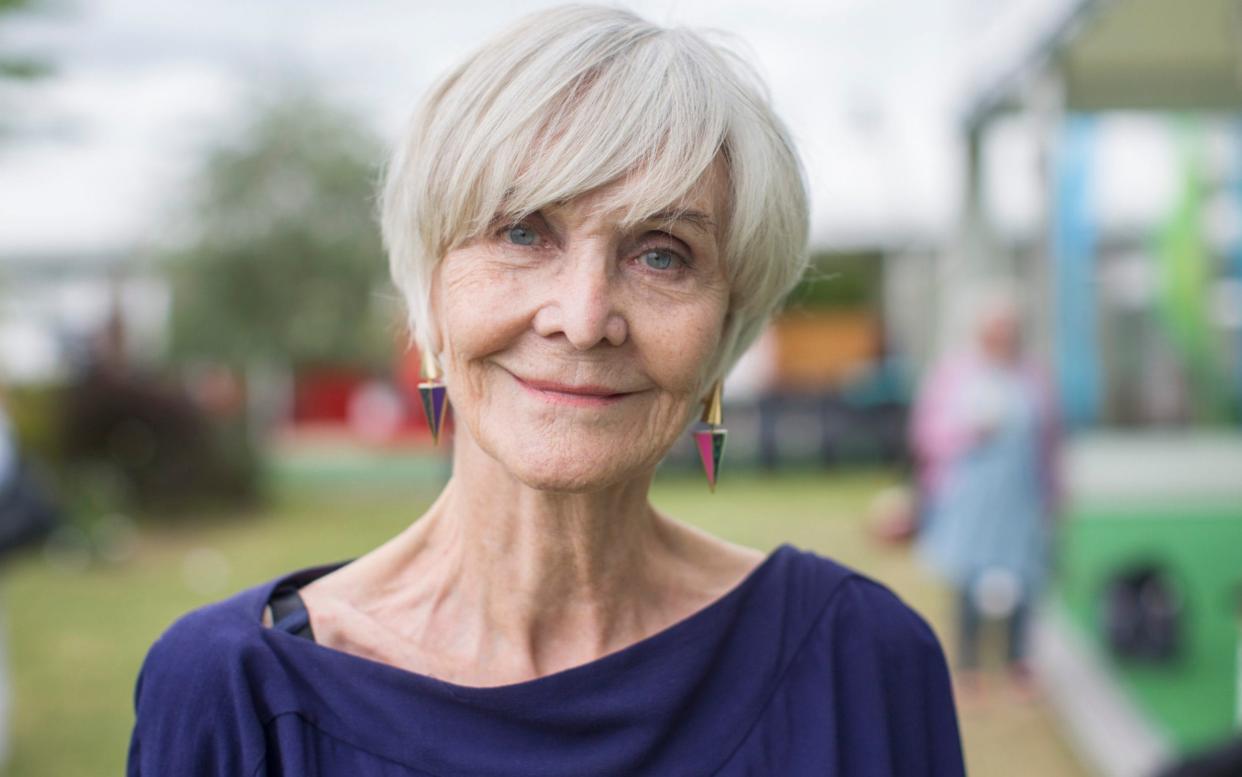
(533, 580)
(542, 549)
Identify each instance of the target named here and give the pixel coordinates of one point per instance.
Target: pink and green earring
(434, 395)
(711, 440)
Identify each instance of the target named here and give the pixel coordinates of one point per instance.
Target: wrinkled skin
(585, 302)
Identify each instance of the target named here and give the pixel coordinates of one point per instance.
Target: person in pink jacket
(984, 435)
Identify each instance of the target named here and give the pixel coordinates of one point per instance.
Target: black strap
(289, 612)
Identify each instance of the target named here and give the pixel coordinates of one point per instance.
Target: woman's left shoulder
(877, 676)
(856, 608)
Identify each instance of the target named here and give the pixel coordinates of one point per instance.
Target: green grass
(78, 638)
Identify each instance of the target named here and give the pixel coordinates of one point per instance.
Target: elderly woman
(590, 219)
(985, 430)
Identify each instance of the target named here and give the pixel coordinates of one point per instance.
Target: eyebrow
(694, 218)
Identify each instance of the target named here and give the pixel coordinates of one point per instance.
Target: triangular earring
(711, 441)
(434, 395)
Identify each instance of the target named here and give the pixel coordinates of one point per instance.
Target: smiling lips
(577, 396)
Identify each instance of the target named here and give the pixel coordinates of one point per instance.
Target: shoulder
(199, 649)
(878, 667)
(857, 610)
(869, 611)
(196, 710)
(218, 632)
(206, 637)
(224, 641)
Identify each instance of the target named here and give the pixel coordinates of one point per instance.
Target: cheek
(677, 342)
(479, 307)
(478, 312)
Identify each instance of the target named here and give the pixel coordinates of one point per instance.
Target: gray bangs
(646, 117)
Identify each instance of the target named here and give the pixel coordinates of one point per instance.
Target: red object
(322, 395)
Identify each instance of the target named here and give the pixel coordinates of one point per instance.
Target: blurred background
(205, 384)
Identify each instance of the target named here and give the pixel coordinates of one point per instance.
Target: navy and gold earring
(434, 395)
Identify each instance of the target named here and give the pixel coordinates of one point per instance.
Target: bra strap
(289, 612)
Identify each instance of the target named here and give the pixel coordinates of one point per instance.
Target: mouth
(584, 395)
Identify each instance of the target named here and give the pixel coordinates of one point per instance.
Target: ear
(431, 340)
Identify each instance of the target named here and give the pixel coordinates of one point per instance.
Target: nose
(583, 302)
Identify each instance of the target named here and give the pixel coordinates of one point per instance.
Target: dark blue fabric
(805, 668)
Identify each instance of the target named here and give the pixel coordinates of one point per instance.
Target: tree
(16, 67)
(284, 267)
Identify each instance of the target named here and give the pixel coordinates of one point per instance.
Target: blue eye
(658, 260)
(521, 235)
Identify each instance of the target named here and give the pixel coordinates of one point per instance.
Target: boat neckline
(633, 653)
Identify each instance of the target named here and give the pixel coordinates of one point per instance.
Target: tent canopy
(1156, 55)
(1135, 55)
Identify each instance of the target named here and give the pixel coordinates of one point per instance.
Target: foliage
(34, 411)
(17, 67)
(130, 443)
(158, 448)
(285, 264)
(20, 67)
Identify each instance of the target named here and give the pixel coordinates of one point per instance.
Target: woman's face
(574, 347)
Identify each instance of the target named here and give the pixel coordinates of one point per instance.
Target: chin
(559, 469)
(558, 483)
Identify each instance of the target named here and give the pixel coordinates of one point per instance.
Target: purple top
(804, 668)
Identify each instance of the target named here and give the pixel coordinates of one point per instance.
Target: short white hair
(574, 98)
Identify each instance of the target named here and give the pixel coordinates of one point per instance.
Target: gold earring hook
(430, 367)
(713, 413)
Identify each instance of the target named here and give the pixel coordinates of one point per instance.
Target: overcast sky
(872, 90)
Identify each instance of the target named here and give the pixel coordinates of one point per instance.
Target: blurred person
(984, 433)
(590, 219)
(28, 515)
